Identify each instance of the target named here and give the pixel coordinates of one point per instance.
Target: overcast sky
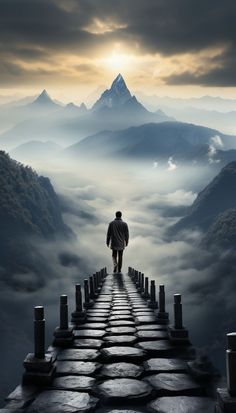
(71, 47)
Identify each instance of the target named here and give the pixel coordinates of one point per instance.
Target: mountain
(116, 109)
(30, 213)
(157, 142)
(43, 102)
(219, 197)
(117, 95)
(36, 151)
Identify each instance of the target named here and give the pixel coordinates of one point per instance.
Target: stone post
(39, 366)
(91, 288)
(87, 302)
(145, 293)
(63, 334)
(96, 292)
(177, 333)
(226, 397)
(162, 316)
(152, 302)
(79, 315)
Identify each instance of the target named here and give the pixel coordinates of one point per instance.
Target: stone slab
(121, 369)
(120, 340)
(159, 327)
(119, 352)
(95, 319)
(121, 317)
(74, 354)
(87, 343)
(161, 365)
(123, 389)
(174, 384)
(23, 393)
(159, 347)
(89, 333)
(181, 404)
(55, 401)
(145, 319)
(120, 312)
(121, 323)
(77, 367)
(74, 383)
(152, 335)
(97, 326)
(121, 330)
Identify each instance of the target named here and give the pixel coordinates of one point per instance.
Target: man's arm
(126, 234)
(108, 235)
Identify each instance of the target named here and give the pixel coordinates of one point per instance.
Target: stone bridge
(119, 354)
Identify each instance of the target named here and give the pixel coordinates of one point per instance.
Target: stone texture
(121, 330)
(182, 404)
(159, 327)
(89, 333)
(121, 323)
(152, 335)
(74, 354)
(174, 384)
(157, 347)
(123, 352)
(120, 339)
(124, 389)
(78, 383)
(120, 317)
(77, 367)
(55, 401)
(97, 326)
(87, 343)
(160, 365)
(121, 369)
(145, 319)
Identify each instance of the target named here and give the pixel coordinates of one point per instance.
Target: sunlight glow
(118, 61)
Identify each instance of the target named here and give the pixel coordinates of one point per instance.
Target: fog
(152, 198)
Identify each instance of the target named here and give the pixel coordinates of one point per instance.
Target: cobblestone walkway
(121, 360)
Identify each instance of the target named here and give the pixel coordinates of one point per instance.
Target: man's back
(118, 234)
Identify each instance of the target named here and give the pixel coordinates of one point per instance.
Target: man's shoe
(115, 269)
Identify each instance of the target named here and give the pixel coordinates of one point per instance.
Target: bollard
(146, 292)
(152, 302)
(78, 297)
(91, 287)
(139, 287)
(226, 397)
(95, 285)
(39, 366)
(63, 312)
(178, 324)
(39, 332)
(63, 334)
(79, 315)
(162, 316)
(231, 363)
(87, 302)
(178, 334)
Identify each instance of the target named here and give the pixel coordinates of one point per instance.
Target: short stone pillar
(87, 302)
(39, 366)
(153, 302)
(63, 334)
(95, 283)
(145, 294)
(226, 398)
(177, 333)
(162, 315)
(79, 315)
(92, 294)
(139, 286)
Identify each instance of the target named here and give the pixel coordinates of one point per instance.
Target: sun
(118, 61)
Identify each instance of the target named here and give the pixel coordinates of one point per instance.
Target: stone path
(121, 360)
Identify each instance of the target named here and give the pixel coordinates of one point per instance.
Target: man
(117, 239)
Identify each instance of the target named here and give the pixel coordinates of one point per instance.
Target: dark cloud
(40, 28)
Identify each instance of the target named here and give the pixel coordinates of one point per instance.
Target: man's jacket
(117, 234)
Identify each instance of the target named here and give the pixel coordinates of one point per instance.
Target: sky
(73, 47)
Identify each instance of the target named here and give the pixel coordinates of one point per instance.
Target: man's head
(118, 214)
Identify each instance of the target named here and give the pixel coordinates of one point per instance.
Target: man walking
(117, 239)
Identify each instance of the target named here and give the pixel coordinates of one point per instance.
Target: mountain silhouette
(43, 101)
(217, 198)
(117, 95)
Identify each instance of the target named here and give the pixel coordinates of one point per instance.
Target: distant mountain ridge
(157, 141)
(117, 95)
(214, 210)
(29, 211)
